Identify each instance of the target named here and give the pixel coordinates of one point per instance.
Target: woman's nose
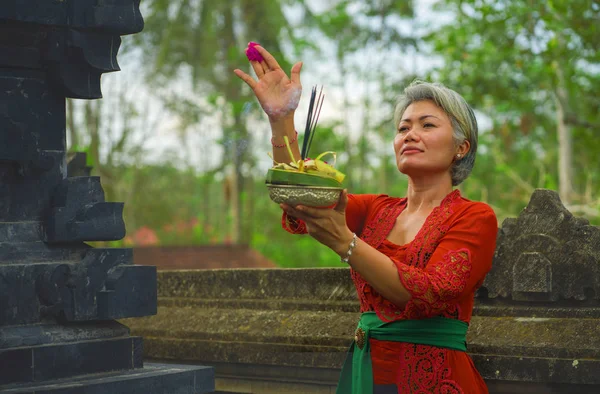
(411, 135)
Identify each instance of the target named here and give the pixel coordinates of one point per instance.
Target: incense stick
(307, 128)
(316, 119)
(311, 120)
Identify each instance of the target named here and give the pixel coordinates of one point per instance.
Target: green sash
(357, 372)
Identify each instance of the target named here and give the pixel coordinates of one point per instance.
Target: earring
(458, 156)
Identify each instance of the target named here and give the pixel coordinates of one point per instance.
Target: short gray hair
(464, 123)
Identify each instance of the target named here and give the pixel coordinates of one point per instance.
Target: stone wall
(266, 330)
(534, 328)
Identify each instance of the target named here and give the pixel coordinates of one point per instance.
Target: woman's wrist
(282, 127)
(345, 244)
(283, 120)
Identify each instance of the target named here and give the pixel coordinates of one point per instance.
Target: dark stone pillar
(59, 297)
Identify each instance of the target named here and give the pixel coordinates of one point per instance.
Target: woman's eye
(402, 129)
(427, 125)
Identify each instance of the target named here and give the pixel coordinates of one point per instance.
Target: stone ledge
(319, 284)
(304, 320)
(266, 326)
(248, 353)
(574, 310)
(260, 304)
(536, 337)
(152, 379)
(538, 369)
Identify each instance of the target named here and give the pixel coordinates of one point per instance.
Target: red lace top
(441, 268)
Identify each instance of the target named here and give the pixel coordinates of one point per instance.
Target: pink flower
(252, 53)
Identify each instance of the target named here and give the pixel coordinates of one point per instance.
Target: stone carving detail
(81, 45)
(546, 254)
(54, 292)
(81, 214)
(49, 51)
(59, 296)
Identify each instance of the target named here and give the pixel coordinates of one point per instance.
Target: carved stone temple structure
(535, 328)
(59, 297)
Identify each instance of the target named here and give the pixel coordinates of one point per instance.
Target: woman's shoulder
(473, 205)
(474, 209)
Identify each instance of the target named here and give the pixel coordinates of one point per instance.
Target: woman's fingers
(342, 202)
(271, 62)
(298, 214)
(305, 213)
(293, 212)
(264, 66)
(246, 78)
(311, 212)
(258, 69)
(295, 74)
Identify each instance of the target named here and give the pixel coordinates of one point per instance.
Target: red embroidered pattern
(435, 289)
(424, 370)
(374, 233)
(432, 232)
(377, 229)
(418, 254)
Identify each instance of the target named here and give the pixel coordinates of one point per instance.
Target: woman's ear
(463, 148)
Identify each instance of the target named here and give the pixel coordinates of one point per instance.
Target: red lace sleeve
(356, 214)
(457, 266)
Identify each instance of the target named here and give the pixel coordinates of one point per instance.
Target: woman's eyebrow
(421, 118)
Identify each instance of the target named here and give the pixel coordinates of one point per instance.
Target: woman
(416, 261)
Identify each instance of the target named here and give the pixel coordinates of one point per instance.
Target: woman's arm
(377, 269)
(458, 264)
(329, 227)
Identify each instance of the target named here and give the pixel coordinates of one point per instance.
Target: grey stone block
(152, 379)
(546, 254)
(58, 296)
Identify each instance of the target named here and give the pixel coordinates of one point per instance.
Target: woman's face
(424, 142)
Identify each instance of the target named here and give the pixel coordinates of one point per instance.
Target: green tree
(200, 42)
(363, 35)
(532, 67)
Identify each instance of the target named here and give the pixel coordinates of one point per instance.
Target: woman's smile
(411, 151)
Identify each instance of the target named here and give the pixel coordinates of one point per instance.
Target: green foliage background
(527, 67)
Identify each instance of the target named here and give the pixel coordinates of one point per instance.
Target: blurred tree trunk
(249, 219)
(565, 144)
(104, 130)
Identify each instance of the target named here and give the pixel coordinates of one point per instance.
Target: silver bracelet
(352, 246)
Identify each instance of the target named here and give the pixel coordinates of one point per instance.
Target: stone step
(27, 365)
(152, 379)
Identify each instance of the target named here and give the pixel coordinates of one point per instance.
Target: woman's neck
(426, 193)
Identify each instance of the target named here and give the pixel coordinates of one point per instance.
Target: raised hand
(277, 94)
